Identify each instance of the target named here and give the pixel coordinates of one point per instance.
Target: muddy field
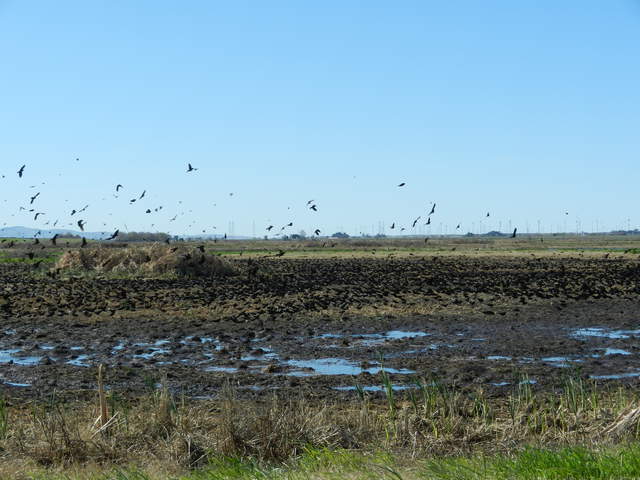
(326, 326)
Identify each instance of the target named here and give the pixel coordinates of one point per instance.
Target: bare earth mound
(154, 259)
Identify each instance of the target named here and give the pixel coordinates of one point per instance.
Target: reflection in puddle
(338, 366)
(9, 356)
(372, 388)
(604, 333)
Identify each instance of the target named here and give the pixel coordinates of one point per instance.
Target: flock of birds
(311, 205)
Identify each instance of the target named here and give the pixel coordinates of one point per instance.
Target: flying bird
(33, 199)
(118, 187)
(81, 224)
(433, 209)
(142, 196)
(414, 222)
(190, 168)
(37, 215)
(488, 214)
(513, 235)
(313, 207)
(402, 184)
(114, 235)
(393, 225)
(269, 228)
(21, 171)
(317, 231)
(310, 202)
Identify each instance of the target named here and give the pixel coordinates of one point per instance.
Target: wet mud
(328, 327)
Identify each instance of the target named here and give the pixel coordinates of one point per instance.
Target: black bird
(143, 194)
(393, 225)
(34, 197)
(73, 212)
(402, 184)
(310, 202)
(114, 235)
(148, 210)
(81, 225)
(54, 239)
(269, 228)
(513, 235)
(201, 248)
(167, 241)
(21, 171)
(487, 214)
(433, 209)
(37, 214)
(118, 187)
(84, 243)
(317, 232)
(428, 221)
(458, 227)
(414, 222)
(313, 207)
(190, 168)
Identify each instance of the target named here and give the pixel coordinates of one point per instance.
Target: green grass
(621, 462)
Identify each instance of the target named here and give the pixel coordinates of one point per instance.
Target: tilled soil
(324, 326)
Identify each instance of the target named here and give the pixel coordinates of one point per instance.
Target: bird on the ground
(33, 199)
(190, 168)
(81, 224)
(402, 184)
(515, 230)
(21, 171)
(54, 239)
(84, 243)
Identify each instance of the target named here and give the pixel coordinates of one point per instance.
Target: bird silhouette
(414, 222)
(114, 235)
(317, 231)
(513, 235)
(81, 224)
(433, 209)
(488, 214)
(21, 171)
(37, 215)
(84, 243)
(190, 168)
(118, 187)
(313, 207)
(34, 197)
(402, 184)
(393, 225)
(428, 221)
(269, 228)
(458, 227)
(310, 202)
(54, 239)
(142, 196)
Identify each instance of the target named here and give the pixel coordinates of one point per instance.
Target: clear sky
(524, 109)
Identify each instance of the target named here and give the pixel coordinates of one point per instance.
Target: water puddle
(373, 388)
(498, 357)
(616, 376)
(338, 366)
(600, 332)
(9, 356)
(370, 339)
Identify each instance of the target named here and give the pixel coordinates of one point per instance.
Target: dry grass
(175, 435)
(152, 259)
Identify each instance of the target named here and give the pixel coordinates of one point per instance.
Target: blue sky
(524, 109)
